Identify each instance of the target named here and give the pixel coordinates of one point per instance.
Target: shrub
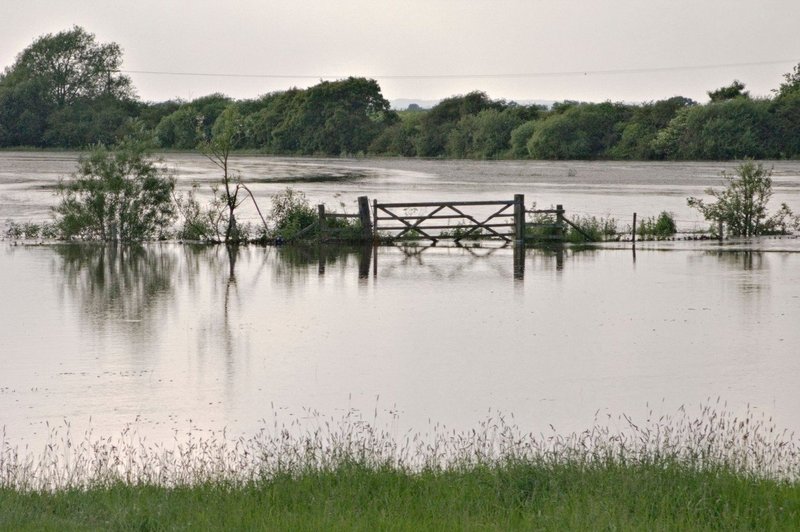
(198, 223)
(30, 230)
(742, 205)
(659, 227)
(116, 194)
(291, 213)
(597, 229)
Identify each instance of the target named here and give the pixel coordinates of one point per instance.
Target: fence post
(633, 230)
(322, 224)
(560, 221)
(719, 230)
(363, 214)
(519, 217)
(519, 260)
(374, 219)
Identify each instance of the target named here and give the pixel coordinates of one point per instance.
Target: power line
(565, 73)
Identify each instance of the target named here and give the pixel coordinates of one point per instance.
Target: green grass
(500, 497)
(711, 472)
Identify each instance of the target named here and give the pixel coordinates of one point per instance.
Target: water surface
(166, 333)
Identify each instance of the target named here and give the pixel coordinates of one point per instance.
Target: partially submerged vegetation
(714, 471)
(742, 205)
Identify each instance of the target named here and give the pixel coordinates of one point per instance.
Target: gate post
(363, 214)
(560, 221)
(375, 220)
(519, 217)
(322, 224)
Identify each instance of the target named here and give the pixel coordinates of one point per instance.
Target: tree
(56, 72)
(582, 131)
(791, 83)
(226, 135)
(485, 135)
(734, 90)
(638, 134)
(742, 205)
(116, 194)
(437, 123)
(71, 65)
(730, 129)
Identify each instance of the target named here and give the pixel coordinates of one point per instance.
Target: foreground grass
(713, 471)
(503, 496)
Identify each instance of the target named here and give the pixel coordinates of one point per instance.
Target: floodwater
(169, 335)
(28, 183)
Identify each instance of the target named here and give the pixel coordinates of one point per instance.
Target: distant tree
(117, 194)
(791, 83)
(264, 124)
(734, 90)
(68, 69)
(71, 65)
(151, 113)
(353, 113)
(742, 205)
(730, 129)
(437, 123)
(486, 135)
(582, 131)
(639, 132)
(334, 118)
(181, 129)
(399, 138)
(519, 139)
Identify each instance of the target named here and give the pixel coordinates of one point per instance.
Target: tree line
(66, 91)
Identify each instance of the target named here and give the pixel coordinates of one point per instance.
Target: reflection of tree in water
(294, 261)
(741, 260)
(751, 266)
(115, 282)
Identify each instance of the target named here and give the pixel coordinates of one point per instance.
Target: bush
(291, 213)
(116, 194)
(742, 205)
(597, 228)
(30, 230)
(198, 223)
(659, 227)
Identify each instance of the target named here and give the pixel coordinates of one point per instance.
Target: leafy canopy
(71, 65)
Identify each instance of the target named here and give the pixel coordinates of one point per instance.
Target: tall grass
(711, 471)
(712, 440)
(598, 228)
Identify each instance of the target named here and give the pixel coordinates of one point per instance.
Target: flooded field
(28, 183)
(170, 336)
(165, 334)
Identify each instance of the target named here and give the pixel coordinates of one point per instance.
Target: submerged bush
(291, 213)
(30, 230)
(117, 194)
(742, 205)
(197, 221)
(659, 227)
(596, 228)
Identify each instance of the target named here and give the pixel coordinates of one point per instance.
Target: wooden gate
(455, 220)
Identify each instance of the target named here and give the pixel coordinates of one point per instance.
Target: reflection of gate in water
(413, 254)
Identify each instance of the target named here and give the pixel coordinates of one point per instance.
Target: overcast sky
(591, 50)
